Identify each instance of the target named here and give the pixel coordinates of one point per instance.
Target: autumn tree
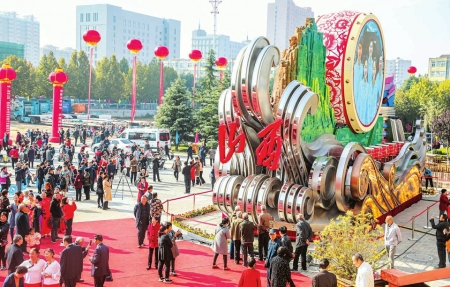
(24, 83)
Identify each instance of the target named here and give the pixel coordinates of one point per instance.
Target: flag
(196, 137)
(109, 101)
(28, 98)
(119, 101)
(99, 100)
(177, 137)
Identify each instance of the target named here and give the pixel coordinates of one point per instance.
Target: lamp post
(134, 45)
(221, 63)
(91, 37)
(7, 75)
(161, 52)
(58, 78)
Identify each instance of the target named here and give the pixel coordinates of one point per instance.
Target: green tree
(175, 113)
(71, 88)
(47, 65)
(62, 64)
(441, 127)
(83, 76)
(110, 80)
(189, 79)
(101, 83)
(207, 97)
(24, 83)
(124, 66)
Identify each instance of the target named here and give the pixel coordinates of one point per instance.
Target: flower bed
(178, 221)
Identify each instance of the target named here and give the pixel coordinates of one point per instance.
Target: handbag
(99, 191)
(174, 249)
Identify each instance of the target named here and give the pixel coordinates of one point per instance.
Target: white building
(398, 68)
(224, 46)
(283, 17)
(21, 30)
(186, 66)
(65, 53)
(117, 26)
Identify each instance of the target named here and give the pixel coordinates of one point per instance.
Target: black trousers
(133, 175)
(40, 184)
(99, 281)
(100, 199)
(189, 156)
(211, 161)
(91, 182)
(69, 226)
(87, 190)
(426, 182)
(301, 251)
(224, 259)
(78, 194)
(247, 250)
(187, 184)
(142, 229)
(55, 226)
(201, 177)
(70, 282)
(156, 174)
(263, 245)
(441, 253)
(2, 255)
(150, 256)
(13, 161)
(237, 250)
(161, 264)
(175, 173)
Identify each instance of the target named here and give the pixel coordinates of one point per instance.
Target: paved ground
(413, 256)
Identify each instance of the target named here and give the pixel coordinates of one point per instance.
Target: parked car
(122, 144)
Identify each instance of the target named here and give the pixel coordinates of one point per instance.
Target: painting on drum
(368, 73)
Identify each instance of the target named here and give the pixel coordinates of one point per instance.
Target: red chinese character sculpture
(269, 150)
(235, 143)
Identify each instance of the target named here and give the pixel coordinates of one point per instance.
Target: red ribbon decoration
(269, 150)
(235, 143)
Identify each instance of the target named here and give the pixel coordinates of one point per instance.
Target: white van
(155, 137)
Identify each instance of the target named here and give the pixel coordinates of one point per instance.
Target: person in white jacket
(364, 277)
(52, 270)
(392, 237)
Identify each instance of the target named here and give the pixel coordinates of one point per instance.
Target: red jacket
(193, 172)
(443, 202)
(14, 153)
(78, 181)
(250, 278)
(69, 210)
(152, 234)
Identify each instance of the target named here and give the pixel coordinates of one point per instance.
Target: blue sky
(413, 29)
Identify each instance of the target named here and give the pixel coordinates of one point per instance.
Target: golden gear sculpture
(317, 151)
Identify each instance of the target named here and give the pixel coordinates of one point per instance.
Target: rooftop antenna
(215, 11)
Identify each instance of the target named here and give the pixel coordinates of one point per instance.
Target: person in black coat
(92, 168)
(100, 191)
(100, 261)
(40, 175)
(156, 168)
(189, 152)
(111, 169)
(14, 254)
(440, 237)
(23, 224)
(164, 253)
(19, 273)
(186, 171)
(142, 216)
(31, 154)
(50, 178)
(71, 262)
(56, 211)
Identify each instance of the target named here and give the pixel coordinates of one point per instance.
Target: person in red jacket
(78, 184)
(250, 277)
(193, 168)
(443, 202)
(68, 209)
(142, 187)
(152, 235)
(14, 154)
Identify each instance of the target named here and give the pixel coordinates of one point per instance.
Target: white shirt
(34, 271)
(53, 269)
(392, 235)
(364, 278)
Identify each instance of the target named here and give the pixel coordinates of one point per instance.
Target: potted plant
(345, 236)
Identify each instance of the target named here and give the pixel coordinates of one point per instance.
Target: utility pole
(215, 11)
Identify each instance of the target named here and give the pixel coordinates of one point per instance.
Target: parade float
(316, 143)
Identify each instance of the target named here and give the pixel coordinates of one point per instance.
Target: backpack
(63, 182)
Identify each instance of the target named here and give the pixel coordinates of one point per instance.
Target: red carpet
(128, 263)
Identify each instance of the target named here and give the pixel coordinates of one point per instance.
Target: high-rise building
(186, 66)
(65, 53)
(439, 68)
(224, 46)
(283, 17)
(11, 49)
(21, 30)
(117, 26)
(399, 68)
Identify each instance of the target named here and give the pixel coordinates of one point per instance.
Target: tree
(47, 65)
(24, 83)
(115, 80)
(207, 95)
(441, 127)
(71, 88)
(175, 113)
(83, 76)
(347, 235)
(101, 84)
(62, 64)
(189, 79)
(124, 66)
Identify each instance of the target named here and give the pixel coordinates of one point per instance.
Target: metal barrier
(193, 195)
(412, 220)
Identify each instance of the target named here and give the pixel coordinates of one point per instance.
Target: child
(33, 239)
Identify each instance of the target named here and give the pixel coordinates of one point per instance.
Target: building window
(114, 49)
(88, 17)
(139, 25)
(134, 24)
(95, 17)
(114, 19)
(124, 22)
(81, 17)
(165, 30)
(114, 27)
(174, 31)
(114, 42)
(129, 23)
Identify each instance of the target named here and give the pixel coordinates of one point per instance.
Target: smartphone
(90, 242)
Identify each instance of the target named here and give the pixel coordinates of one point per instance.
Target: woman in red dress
(45, 203)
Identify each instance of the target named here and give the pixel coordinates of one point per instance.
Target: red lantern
(161, 52)
(58, 77)
(195, 55)
(412, 70)
(134, 45)
(7, 74)
(221, 62)
(92, 37)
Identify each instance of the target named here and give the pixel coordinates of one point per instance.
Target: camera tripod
(123, 178)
